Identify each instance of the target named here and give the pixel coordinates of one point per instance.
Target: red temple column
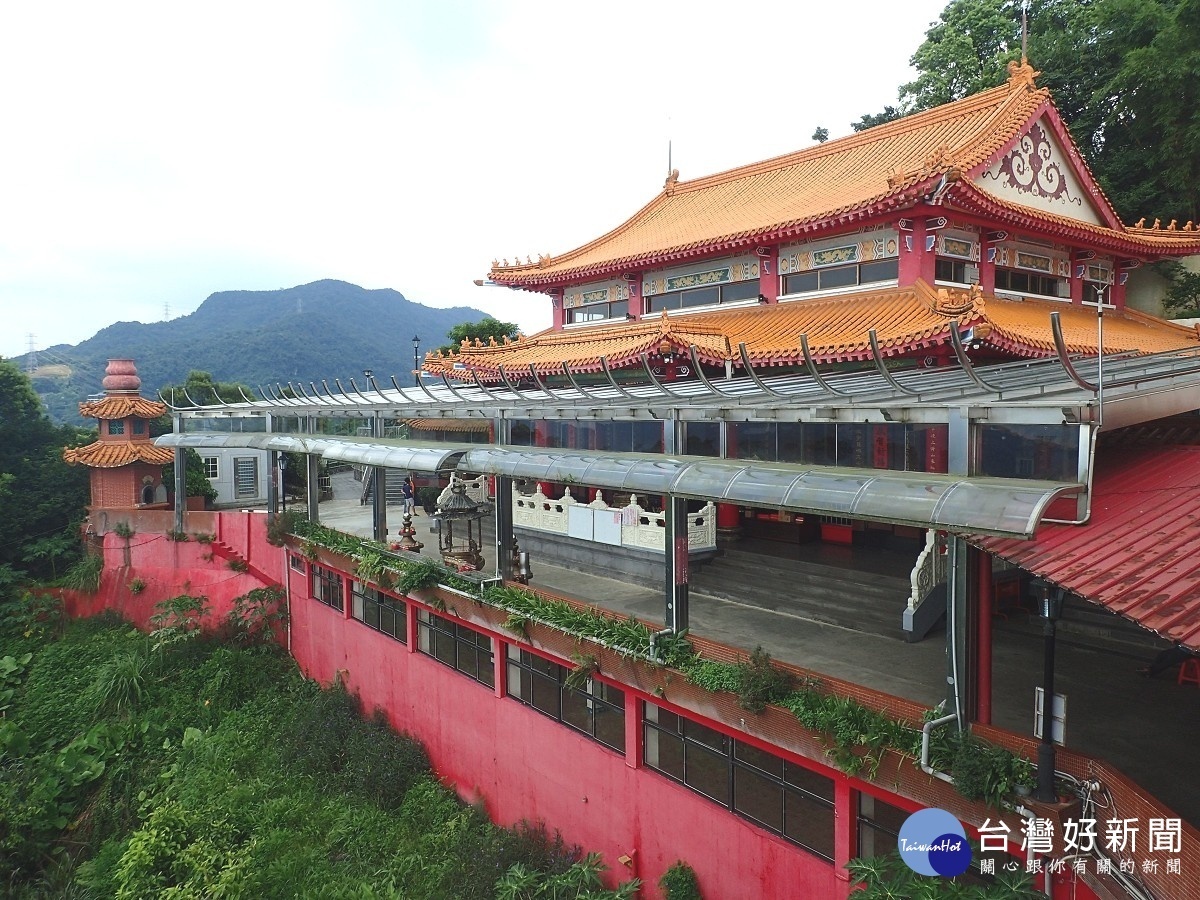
(916, 255)
(768, 274)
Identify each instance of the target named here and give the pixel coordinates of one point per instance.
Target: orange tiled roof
(582, 348)
(1168, 240)
(114, 454)
(120, 407)
(449, 424)
(1023, 327)
(906, 321)
(888, 167)
(878, 168)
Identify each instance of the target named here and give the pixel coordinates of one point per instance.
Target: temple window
(774, 793)
(594, 312)
(139, 426)
(457, 646)
(955, 271)
(1032, 268)
(116, 426)
(326, 587)
(597, 709)
(1017, 281)
(709, 295)
(600, 301)
(379, 611)
(880, 271)
(1046, 452)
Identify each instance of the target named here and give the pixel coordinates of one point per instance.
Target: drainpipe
(654, 639)
(926, 731)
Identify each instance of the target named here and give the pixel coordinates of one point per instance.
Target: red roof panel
(1139, 555)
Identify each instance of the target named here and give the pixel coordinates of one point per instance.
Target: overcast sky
(154, 153)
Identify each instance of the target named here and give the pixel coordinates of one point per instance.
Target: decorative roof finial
(672, 180)
(1021, 75)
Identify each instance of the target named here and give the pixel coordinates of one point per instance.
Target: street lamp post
(416, 342)
(1051, 602)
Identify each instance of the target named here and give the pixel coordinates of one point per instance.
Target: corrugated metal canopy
(1139, 555)
(998, 506)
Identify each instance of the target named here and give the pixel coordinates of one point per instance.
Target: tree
(42, 497)
(485, 328)
(195, 480)
(889, 114)
(964, 52)
(204, 390)
(1119, 72)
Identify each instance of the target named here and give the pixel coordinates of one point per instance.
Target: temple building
(880, 408)
(978, 216)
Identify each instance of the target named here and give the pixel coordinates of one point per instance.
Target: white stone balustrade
(639, 527)
(929, 571)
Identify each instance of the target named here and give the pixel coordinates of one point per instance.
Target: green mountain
(324, 330)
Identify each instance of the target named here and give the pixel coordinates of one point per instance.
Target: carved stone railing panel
(929, 571)
(639, 527)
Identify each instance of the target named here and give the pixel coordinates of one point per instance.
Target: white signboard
(607, 527)
(579, 522)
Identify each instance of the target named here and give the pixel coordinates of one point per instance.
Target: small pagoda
(126, 465)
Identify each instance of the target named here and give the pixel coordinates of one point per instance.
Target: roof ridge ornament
(955, 303)
(1022, 74)
(672, 180)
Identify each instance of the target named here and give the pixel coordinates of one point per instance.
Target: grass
(131, 751)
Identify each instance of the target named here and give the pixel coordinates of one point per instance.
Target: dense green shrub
(679, 882)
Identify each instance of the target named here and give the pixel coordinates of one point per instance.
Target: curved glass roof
(1001, 506)
(1008, 507)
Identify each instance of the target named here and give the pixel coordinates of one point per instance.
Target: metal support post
(180, 478)
(313, 493)
(378, 477)
(274, 461)
(676, 563)
(504, 527)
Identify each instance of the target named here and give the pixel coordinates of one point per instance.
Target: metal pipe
(812, 370)
(695, 355)
(926, 731)
(966, 365)
(762, 385)
(883, 370)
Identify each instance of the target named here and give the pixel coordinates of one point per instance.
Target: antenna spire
(1025, 33)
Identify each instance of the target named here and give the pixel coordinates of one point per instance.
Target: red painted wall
(496, 751)
(521, 764)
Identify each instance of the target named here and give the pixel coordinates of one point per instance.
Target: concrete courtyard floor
(1148, 728)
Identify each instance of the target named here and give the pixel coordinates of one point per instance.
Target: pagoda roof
(114, 454)
(117, 406)
(906, 321)
(843, 182)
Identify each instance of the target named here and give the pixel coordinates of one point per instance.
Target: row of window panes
(879, 825)
(1021, 282)
(117, 426)
(709, 295)
(597, 710)
(379, 611)
(327, 587)
(237, 424)
(874, 272)
(594, 312)
(621, 437)
(462, 648)
(778, 795)
(904, 447)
